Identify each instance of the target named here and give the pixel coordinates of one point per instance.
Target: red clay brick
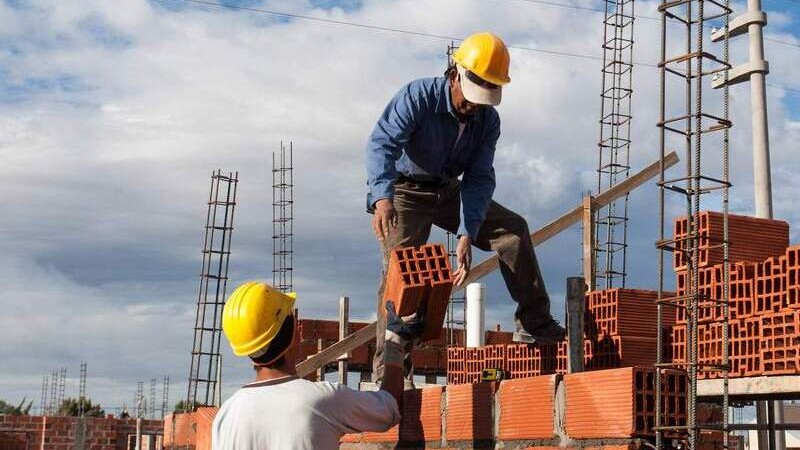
(780, 343)
(793, 277)
(751, 239)
(527, 408)
(469, 412)
(770, 285)
(617, 403)
(623, 312)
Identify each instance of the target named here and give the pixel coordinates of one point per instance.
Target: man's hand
(404, 331)
(385, 217)
(463, 259)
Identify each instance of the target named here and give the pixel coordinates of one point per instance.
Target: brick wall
(66, 433)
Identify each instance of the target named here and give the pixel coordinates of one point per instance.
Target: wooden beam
(488, 265)
(336, 350)
(588, 242)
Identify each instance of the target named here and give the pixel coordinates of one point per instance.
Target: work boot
(547, 332)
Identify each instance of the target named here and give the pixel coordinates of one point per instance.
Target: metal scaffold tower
(82, 390)
(203, 374)
(282, 218)
(457, 307)
(164, 395)
(611, 222)
(686, 122)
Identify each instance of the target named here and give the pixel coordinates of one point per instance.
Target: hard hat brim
(475, 93)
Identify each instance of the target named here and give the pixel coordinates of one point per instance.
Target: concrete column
(758, 99)
(576, 307)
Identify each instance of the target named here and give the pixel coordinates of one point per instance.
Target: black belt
(426, 184)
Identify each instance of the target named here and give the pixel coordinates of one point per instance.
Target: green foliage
(184, 406)
(72, 407)
(19, 410)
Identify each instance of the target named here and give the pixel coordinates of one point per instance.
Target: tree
(184, 406)
(19, 410)
(72, 407)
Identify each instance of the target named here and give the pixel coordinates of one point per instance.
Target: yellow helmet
(253, 316)
(485, 55)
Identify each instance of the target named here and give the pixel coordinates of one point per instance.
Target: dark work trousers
(420, 205)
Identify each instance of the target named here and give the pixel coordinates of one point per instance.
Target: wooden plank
(488, 265)
(336, 350)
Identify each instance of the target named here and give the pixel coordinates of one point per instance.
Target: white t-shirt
(291, 413)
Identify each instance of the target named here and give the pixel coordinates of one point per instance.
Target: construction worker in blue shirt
(433, 131)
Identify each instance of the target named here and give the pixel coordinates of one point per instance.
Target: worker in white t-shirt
(281, 411)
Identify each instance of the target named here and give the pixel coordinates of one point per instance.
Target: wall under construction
(75, 433)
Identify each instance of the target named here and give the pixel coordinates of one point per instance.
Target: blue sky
(112, 119)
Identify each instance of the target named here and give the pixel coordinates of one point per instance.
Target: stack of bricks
(619, 329)
(523, 413)
(764, 291)
(751, 239)
(420, 277)
(517, 360)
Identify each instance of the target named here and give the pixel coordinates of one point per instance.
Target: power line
(431, 35)
(637, 16)
(784, 88)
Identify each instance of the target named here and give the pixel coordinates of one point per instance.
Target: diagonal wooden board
(488, 265)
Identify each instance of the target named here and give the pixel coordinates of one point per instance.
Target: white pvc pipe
(476, 314)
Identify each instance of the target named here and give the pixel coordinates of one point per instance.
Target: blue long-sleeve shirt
(416, 137)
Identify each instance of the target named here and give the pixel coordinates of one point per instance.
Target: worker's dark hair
(451, 68)
(275, 354)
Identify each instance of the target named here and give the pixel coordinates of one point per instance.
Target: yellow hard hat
(485, 55)
(253, 316)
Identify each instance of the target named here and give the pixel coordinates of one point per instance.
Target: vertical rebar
(82, 391)
(43, 403)
(139, 399)
(609, 251)
(457, 307)
(283, 218)
(53, 408)
(151, 404)
(698, 125)
(62, 384)
(203, 376)
(164, 395)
